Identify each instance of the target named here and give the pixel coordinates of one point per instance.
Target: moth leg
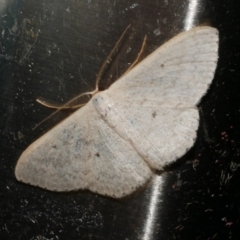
(67, 105)
(61, 107)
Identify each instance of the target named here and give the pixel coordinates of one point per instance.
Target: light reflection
(3, 6)
(191, 14)
(156, 191)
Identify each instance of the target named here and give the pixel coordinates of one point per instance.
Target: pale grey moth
(146, 120)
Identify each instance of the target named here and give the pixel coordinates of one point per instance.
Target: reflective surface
(54, 49)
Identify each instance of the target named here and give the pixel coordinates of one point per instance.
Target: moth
(144, 121)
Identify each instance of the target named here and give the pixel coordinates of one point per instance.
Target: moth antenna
(139, 56)
(99, 76)
(109, 57)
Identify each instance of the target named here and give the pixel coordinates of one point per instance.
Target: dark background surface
(54, 49)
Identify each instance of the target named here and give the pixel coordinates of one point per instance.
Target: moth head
(102, 104)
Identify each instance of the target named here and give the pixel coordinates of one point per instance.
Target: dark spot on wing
(154, 114)
(97, 154)
(162, 65)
